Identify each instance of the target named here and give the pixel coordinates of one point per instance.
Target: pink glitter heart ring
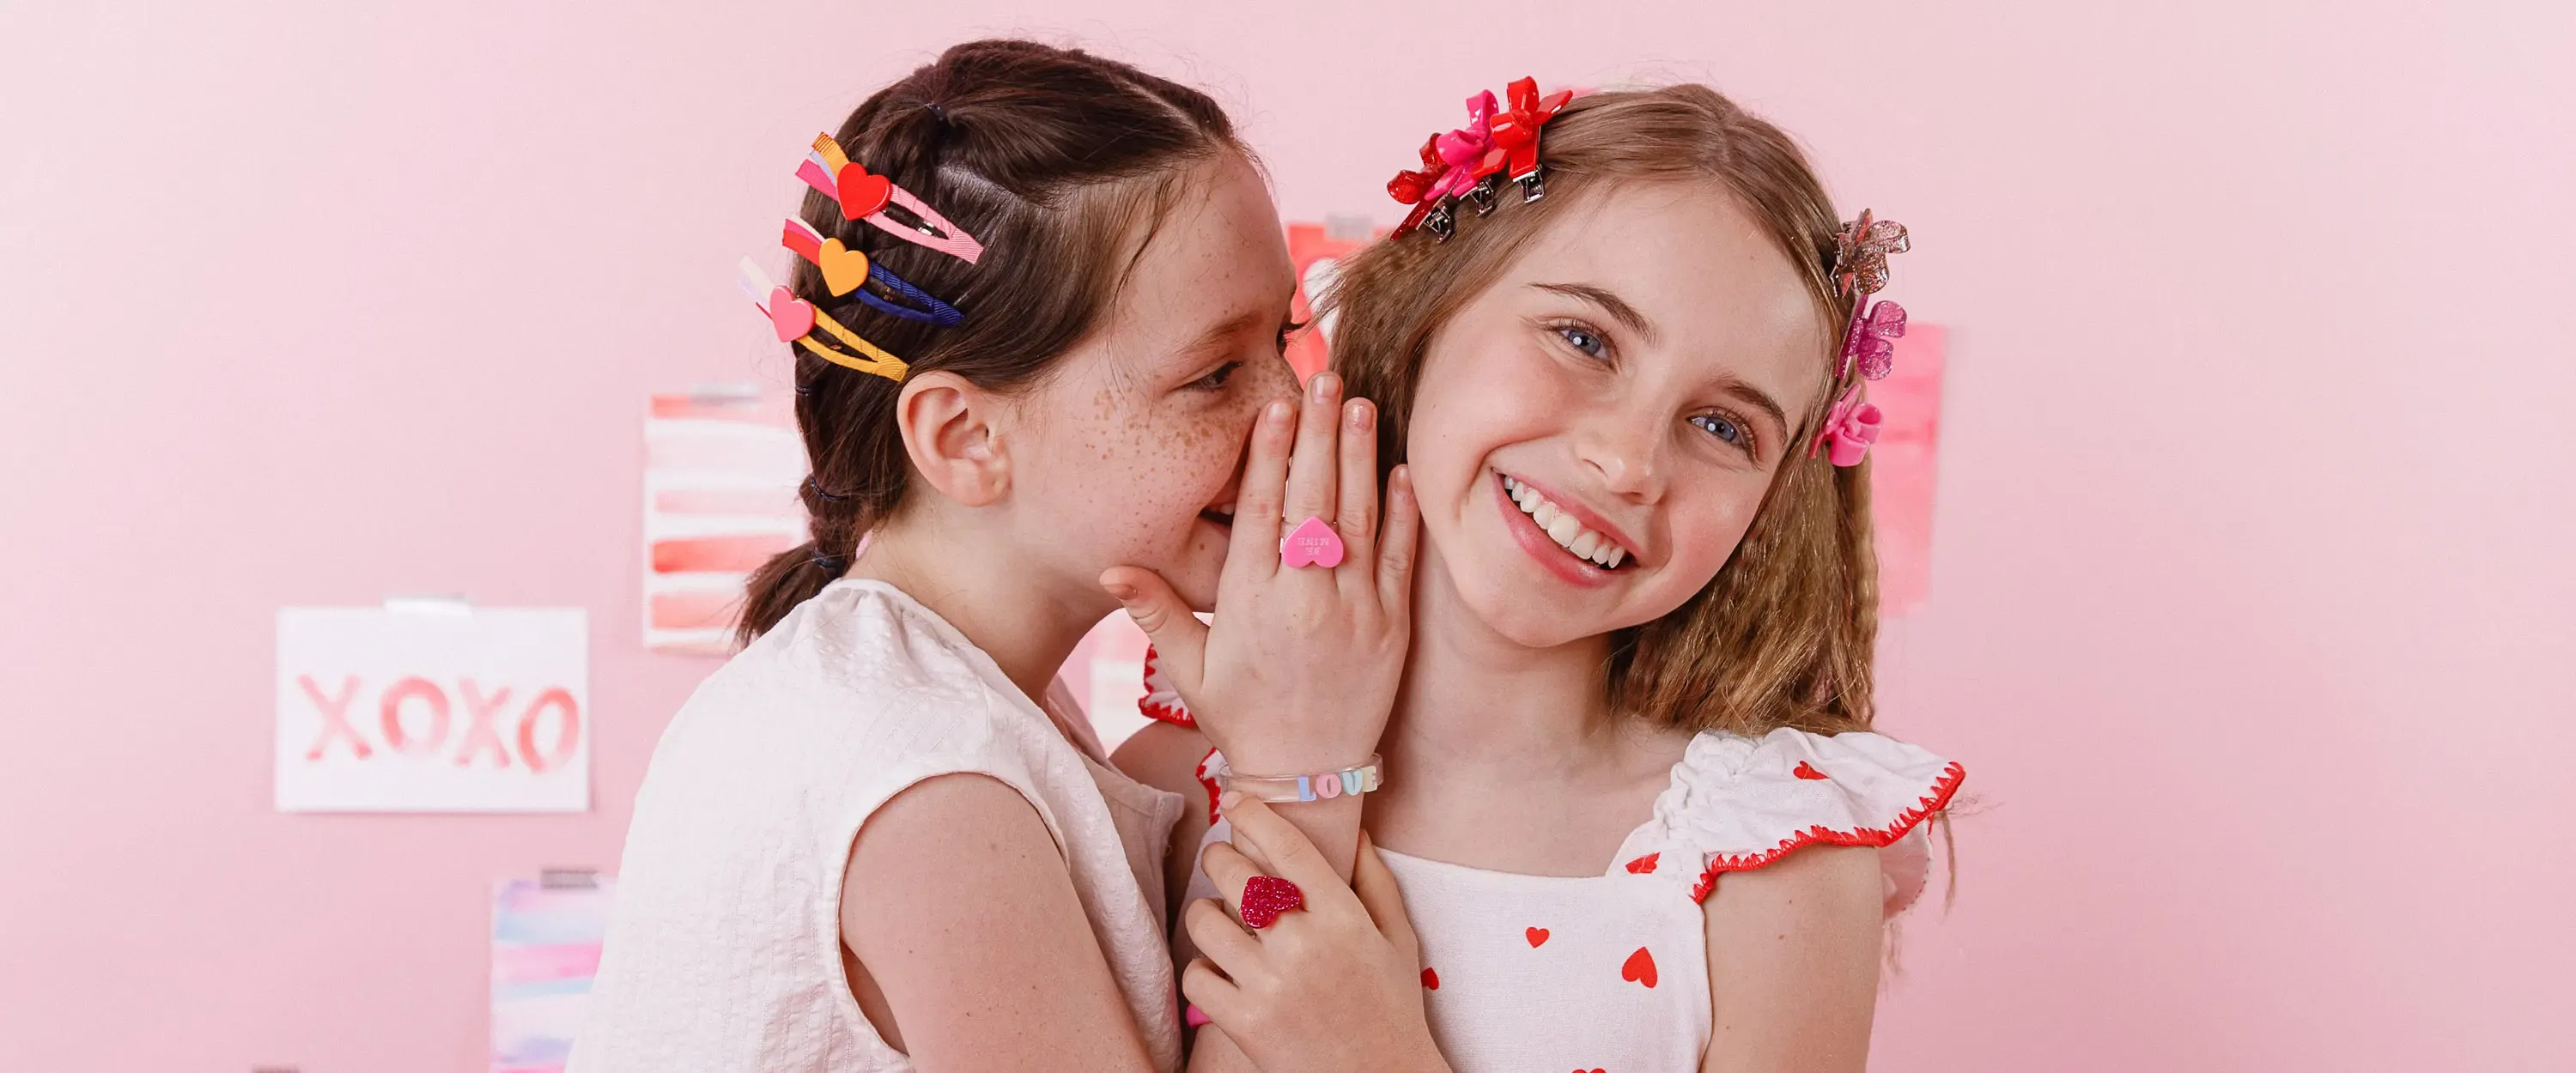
(1265, 897)
(1312, 543)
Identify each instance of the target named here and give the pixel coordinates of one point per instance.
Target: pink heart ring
(1312, 543)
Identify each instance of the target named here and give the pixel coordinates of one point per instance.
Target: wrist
(1320, 784)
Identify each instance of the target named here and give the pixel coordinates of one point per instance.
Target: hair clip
(1868, 343)
(1850, 428)
(846, 270)
(1860, 252)
(865, 197)
(1859, 269)
(794, 319)
(1516, 133)
(1472, 161)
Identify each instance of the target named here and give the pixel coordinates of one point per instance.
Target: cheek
(1144, 469)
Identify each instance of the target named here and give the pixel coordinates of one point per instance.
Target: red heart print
(862, 194)
(790, 316)
(1537, 936)
(1640, 968)
(1645, 864)
(1807, 771)
(1430, 979)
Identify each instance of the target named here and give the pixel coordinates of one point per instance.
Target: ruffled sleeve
(1162, 702)
(1739, 803)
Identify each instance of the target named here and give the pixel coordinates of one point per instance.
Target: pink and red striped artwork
(721, 471)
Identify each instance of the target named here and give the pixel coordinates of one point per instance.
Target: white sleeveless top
(724, 950)
(1610, 972)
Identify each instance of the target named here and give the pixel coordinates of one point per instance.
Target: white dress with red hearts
(1610, 972)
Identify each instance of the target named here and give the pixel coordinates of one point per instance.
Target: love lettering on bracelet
(1321, 786)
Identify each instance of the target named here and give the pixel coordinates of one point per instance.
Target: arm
(1793, 963)
(969, 936)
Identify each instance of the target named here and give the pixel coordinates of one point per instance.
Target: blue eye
(1718, 426)
(1582, 339)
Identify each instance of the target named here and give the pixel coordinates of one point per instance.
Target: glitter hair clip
(846, 270)
(1472, 161)
(1859, 269)
(865, 197)
(794, 319)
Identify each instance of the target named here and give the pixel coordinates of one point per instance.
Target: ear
(951, 433)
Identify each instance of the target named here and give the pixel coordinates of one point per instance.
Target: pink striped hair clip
(1859, 269)
(865, 197)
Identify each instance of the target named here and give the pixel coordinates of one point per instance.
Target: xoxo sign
(464, 709)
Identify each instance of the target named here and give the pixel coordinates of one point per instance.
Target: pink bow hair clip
(1869, 343)
(1850, 428)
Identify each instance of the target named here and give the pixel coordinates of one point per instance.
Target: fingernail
(1123, 591)
(1323, 385)
(1226, 801)
(1361, 413)
(1277, 414)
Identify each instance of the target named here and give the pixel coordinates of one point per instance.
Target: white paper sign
(424, 708)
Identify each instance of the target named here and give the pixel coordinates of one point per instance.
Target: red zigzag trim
(1874, 838)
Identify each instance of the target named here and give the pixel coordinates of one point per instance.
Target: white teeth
(1562, 527)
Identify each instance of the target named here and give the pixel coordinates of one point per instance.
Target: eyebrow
(1617, 307)
(1753, 395)
(1224, 329)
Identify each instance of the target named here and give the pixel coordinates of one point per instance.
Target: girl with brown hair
(1632, 798)
(882, 837)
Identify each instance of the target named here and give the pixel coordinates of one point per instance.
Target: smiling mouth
(1593, 548)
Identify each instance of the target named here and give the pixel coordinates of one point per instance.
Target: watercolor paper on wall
(433, 706)
(1903, 470)
(545, 953)
(721, 473)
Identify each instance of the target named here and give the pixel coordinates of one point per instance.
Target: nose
(1622, 446)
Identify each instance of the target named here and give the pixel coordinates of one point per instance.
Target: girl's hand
(1300, 671)
(1335, 985)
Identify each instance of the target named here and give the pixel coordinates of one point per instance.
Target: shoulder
(1174, 758)
(1741, 804)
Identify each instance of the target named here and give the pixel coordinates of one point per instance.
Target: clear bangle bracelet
(1321, 786)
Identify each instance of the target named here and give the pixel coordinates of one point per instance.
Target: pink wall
(2250, 595)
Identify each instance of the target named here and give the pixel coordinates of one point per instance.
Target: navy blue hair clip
(846, 270)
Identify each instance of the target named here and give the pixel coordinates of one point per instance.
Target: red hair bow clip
(1850, 428)
(1516, 133)
(1414, 187)
(1869, 343)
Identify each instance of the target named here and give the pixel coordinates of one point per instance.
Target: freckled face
(1129, 453)
(1593, 434)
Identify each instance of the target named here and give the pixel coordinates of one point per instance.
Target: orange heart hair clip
(794, 319)
(865, 197)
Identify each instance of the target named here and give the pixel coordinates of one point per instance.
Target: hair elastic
(819, 493)
(846, 270)
(794, 319)
(831, 564)
(864, 197)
